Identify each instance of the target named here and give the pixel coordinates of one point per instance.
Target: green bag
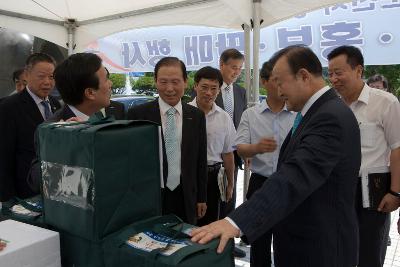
(100, 176)
(79, 252)
(117, 252)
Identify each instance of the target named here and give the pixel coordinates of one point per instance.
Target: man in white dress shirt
(378, 116)
(220, 138)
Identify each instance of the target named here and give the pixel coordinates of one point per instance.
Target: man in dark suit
(85, 88)
(232, 98)
(310, 199)
(20, 114)
(185, 141)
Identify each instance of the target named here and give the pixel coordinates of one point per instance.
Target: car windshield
(131, 101)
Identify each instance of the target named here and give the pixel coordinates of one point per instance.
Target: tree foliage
(391, 72)
(145, 83)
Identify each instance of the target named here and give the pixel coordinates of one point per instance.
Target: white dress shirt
(378, 116)
(220, 133)
(164, 107)
(38, 102)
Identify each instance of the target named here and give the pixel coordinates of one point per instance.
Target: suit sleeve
(308, 167)
(8, 139)
(202, 161)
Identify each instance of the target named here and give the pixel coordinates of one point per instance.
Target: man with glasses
(20, 114)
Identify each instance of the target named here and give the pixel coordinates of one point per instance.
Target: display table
(28, 245)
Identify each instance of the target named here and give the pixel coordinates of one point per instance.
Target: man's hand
(389, 203)
(222, 228)
(267, 144)
(77, 119)
(201, 210)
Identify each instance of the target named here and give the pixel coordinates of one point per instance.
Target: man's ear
(195, 87)
(303, 74)
(359, 70)
(90, 93)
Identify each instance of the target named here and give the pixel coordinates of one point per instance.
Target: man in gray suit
(309, 201)
(232, 98)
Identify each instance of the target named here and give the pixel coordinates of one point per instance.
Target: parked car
(132, 100)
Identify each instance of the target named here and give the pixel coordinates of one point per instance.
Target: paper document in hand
(149, 241)
(222, 183)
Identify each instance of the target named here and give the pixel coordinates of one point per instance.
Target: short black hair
(231, 53)
(16, 74)
(378, 78)
(35, 58)
(299, 57)
(266, 70)
(170, 61)
(209, 73)
(75, 74)
(354, 55)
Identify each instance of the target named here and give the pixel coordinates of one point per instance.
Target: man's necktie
(297, 121)
(228, 101)
(46, 106)
(171, 149)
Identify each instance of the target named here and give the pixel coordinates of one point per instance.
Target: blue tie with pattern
(296, 122)
(228, 101)
(47, 112)
(171, 149)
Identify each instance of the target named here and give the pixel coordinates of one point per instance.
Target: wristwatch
(394, 193)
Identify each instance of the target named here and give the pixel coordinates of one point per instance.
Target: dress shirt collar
(214, 108)
(263, 106)
(79, 114)
(224, 85)
(164, 107)
(35, 98)
(364, 95)
(314, 98)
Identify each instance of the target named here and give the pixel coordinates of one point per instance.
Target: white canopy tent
(75, 23)
(91, 19)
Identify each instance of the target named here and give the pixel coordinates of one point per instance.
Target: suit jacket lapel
(219, 101)
(30, 105)
(54, 104)
(154, 112)
(186, 132)
(290, 140)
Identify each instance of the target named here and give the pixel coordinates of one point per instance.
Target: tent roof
(99, 18)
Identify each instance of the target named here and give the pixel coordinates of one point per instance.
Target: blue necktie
(297, 121)
(228, 102)
(47, 112)
(171, 149)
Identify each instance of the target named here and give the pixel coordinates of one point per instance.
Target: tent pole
(256, 51)
(247, 68)
(252, 91)
(70, 25)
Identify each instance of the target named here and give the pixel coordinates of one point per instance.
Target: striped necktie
(296, 122)
(171, 149)
(228, 101)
